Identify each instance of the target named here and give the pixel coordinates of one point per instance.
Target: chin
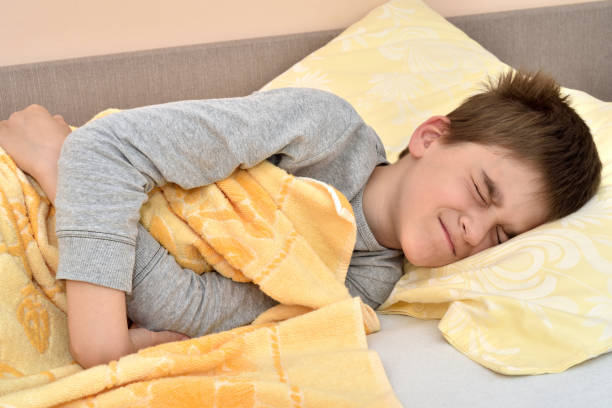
(423, 262)
(426, 264)
(412, 256)
(422, 256)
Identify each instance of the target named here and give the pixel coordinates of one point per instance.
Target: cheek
(445, 187)
(446, 195)
(485, 244)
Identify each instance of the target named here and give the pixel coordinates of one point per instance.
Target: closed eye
(502, 235)
(479, 193)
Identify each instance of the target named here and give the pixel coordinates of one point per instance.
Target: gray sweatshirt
(107, 167)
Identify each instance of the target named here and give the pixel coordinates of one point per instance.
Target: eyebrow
(494, 192)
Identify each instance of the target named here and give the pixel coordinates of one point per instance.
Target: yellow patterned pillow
(541, 302)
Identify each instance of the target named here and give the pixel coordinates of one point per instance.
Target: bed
(571, 42)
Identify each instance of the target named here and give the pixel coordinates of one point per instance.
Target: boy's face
(457, 200)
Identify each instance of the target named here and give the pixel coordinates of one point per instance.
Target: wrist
(47, 179)
(140, 338)
(45, 172)
(48, 160)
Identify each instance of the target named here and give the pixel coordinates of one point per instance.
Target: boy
(505, 161)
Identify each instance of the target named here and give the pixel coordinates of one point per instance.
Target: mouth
(448, 237)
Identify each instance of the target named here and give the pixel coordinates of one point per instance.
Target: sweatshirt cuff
(94, 257)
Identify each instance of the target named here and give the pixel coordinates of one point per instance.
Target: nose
(476, 227)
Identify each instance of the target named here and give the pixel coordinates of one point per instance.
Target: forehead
(518, 185)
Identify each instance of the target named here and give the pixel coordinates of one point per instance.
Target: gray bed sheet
(426, 371)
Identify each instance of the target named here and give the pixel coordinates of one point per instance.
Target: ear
(428, 133)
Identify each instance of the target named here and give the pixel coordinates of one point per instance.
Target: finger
(60, 119)
(32, 111)
(174, 336)
(37, 108)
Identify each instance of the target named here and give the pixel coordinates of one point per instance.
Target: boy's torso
(306, 132)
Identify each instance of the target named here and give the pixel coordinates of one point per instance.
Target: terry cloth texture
(293, 237)
(299, 362)
(255, 225)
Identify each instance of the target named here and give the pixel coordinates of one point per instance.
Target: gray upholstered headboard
(574, 43)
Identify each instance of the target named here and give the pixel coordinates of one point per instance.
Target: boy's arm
(97, 325)
(107, 167)
(33, 138)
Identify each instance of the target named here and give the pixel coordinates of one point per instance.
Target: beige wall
(465, 7)
(40, 30)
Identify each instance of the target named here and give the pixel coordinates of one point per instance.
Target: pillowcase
(538, 303)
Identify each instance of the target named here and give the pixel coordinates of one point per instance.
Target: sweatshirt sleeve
(107, 167)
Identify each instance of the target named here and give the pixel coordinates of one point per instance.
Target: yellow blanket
(256, 225)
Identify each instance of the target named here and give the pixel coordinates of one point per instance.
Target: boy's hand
(143, 338)
(33, 138)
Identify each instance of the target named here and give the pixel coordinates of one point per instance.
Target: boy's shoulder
(314, 98)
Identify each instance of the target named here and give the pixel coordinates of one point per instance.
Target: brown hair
(527, 115)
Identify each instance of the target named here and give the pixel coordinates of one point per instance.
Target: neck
(380, 204)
